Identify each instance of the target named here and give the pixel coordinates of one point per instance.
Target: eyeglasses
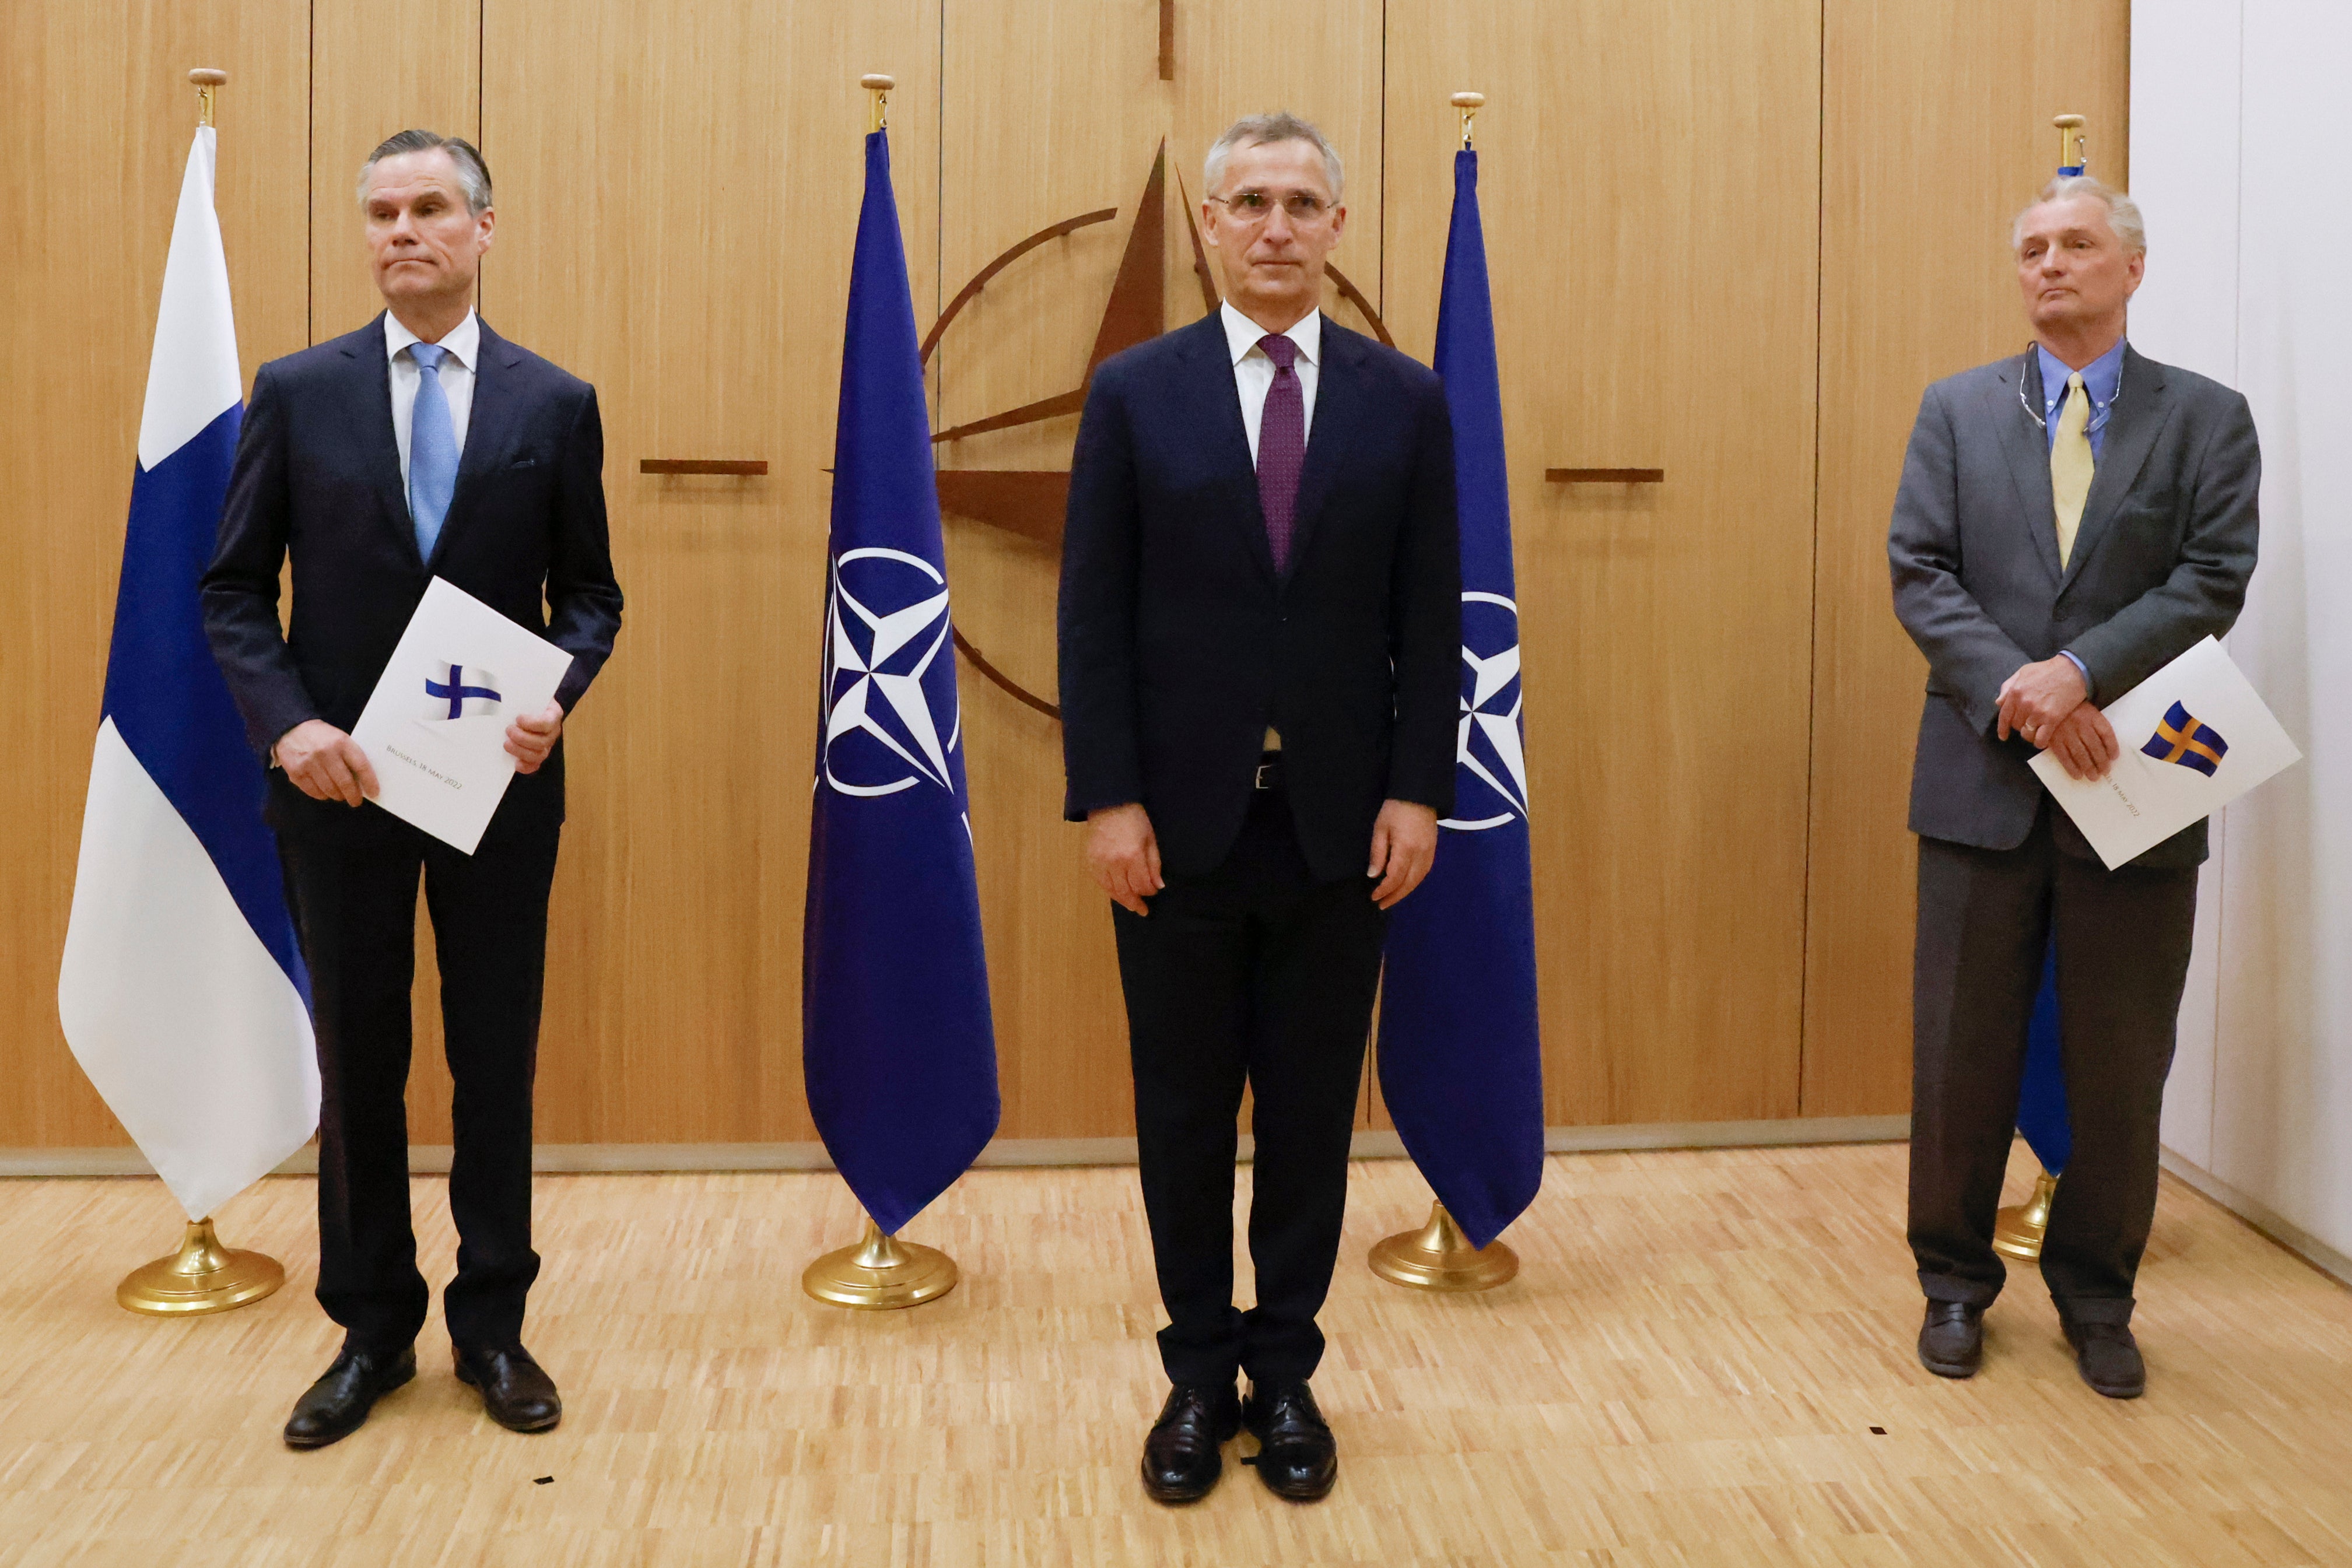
(1250, 208)
(2101, 412)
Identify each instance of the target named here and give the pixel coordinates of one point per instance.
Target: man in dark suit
(2069, 522)
(422, 446)
(1260, 646)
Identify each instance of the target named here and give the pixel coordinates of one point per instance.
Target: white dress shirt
(1254, 372)
(464, 342)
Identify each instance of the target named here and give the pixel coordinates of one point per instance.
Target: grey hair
(472, 174)
(2123, 213)
(1258, 130)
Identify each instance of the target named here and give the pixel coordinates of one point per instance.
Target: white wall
(2242, 140)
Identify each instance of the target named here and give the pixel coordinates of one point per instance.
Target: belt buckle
(1263, 777)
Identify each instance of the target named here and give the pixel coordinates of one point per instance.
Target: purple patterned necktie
(1281, 446)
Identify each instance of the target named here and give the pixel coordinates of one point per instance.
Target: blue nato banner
(1460, 1059)
(898, 1047)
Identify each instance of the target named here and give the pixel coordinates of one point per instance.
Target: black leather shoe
(1180, 1458)
(1296, 1458)
(517, 1393)
(2108, 1358)
(337, 1404)
(1951, 1341)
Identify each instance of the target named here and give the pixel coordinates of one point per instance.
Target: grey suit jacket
(2166, 547)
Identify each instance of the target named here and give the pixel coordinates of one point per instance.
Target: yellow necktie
(2070, 467)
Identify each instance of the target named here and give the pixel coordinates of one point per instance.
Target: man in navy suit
(422, 446)
(1260, 645)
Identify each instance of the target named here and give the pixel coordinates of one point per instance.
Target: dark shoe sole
(547, 1425)
(2116, 1390)
(1952, 1369)
(306, 1444)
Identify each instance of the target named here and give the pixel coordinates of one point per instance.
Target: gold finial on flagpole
(1469, 103)
(879, 86)
(207, 79)
(2018, 1229)
(2073, 145)
(203, 1275)
(880, 1271)
(1438, 1257)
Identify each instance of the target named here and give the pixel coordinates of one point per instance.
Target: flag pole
(2018, 1229)
(1438, 1255)
(880, 1272)
(202, 1276)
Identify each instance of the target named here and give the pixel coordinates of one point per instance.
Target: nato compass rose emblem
(886, 628)
(1488, 747)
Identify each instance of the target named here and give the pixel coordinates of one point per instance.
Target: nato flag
(1461, 1066)
(897, 1045)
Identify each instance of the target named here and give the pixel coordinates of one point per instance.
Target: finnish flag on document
(458, 691)
(182, 992)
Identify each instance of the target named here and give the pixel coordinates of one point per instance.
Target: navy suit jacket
(1179, 641)
(317, 477)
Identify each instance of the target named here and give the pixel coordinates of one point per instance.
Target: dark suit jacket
(1179, 644)
(317, 475)
(2166, 547)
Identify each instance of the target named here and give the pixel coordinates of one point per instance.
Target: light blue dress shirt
(2102, 377)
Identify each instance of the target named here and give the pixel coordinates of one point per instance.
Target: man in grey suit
(2069, 521)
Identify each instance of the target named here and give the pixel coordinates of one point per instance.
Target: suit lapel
(490, 431)
(2140, 408)
(370, 391)
(2026, 451)
(1209, 377)
(1339, 386)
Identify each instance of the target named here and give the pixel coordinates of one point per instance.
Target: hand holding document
(435, 728)
(2195, 736)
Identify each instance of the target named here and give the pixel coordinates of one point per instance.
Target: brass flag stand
(1438, 1257)
(881, 1271)
(202, 1276)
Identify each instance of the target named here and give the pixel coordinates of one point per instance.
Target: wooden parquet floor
(1708, 1359)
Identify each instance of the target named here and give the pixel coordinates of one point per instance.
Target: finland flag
(458, 691)
(182, 992)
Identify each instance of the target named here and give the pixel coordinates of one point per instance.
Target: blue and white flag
(1461, 1063)
(181, 991)
(458, 691)
(897, 1047)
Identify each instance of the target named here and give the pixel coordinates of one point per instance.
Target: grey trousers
(1986, 920)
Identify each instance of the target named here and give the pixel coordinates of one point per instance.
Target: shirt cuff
(2090, 687)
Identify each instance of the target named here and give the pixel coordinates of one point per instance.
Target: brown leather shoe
(1181, 1457)
(1951, 1341)
(2108, 1358)
(515, 1390)
(337, 1404)
(1296, 1458)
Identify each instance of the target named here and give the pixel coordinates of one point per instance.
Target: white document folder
(2195, 736)
(434, 729)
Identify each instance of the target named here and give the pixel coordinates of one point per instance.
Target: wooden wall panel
(1649, 191)
(380, 66)
(678, 194)
(100, 117)
(1937, 131)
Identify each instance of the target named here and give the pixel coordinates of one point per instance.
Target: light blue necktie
(431, 449)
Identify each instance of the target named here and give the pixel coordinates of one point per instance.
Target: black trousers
(354, 901)
(1985, 921)
(1254, 973)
